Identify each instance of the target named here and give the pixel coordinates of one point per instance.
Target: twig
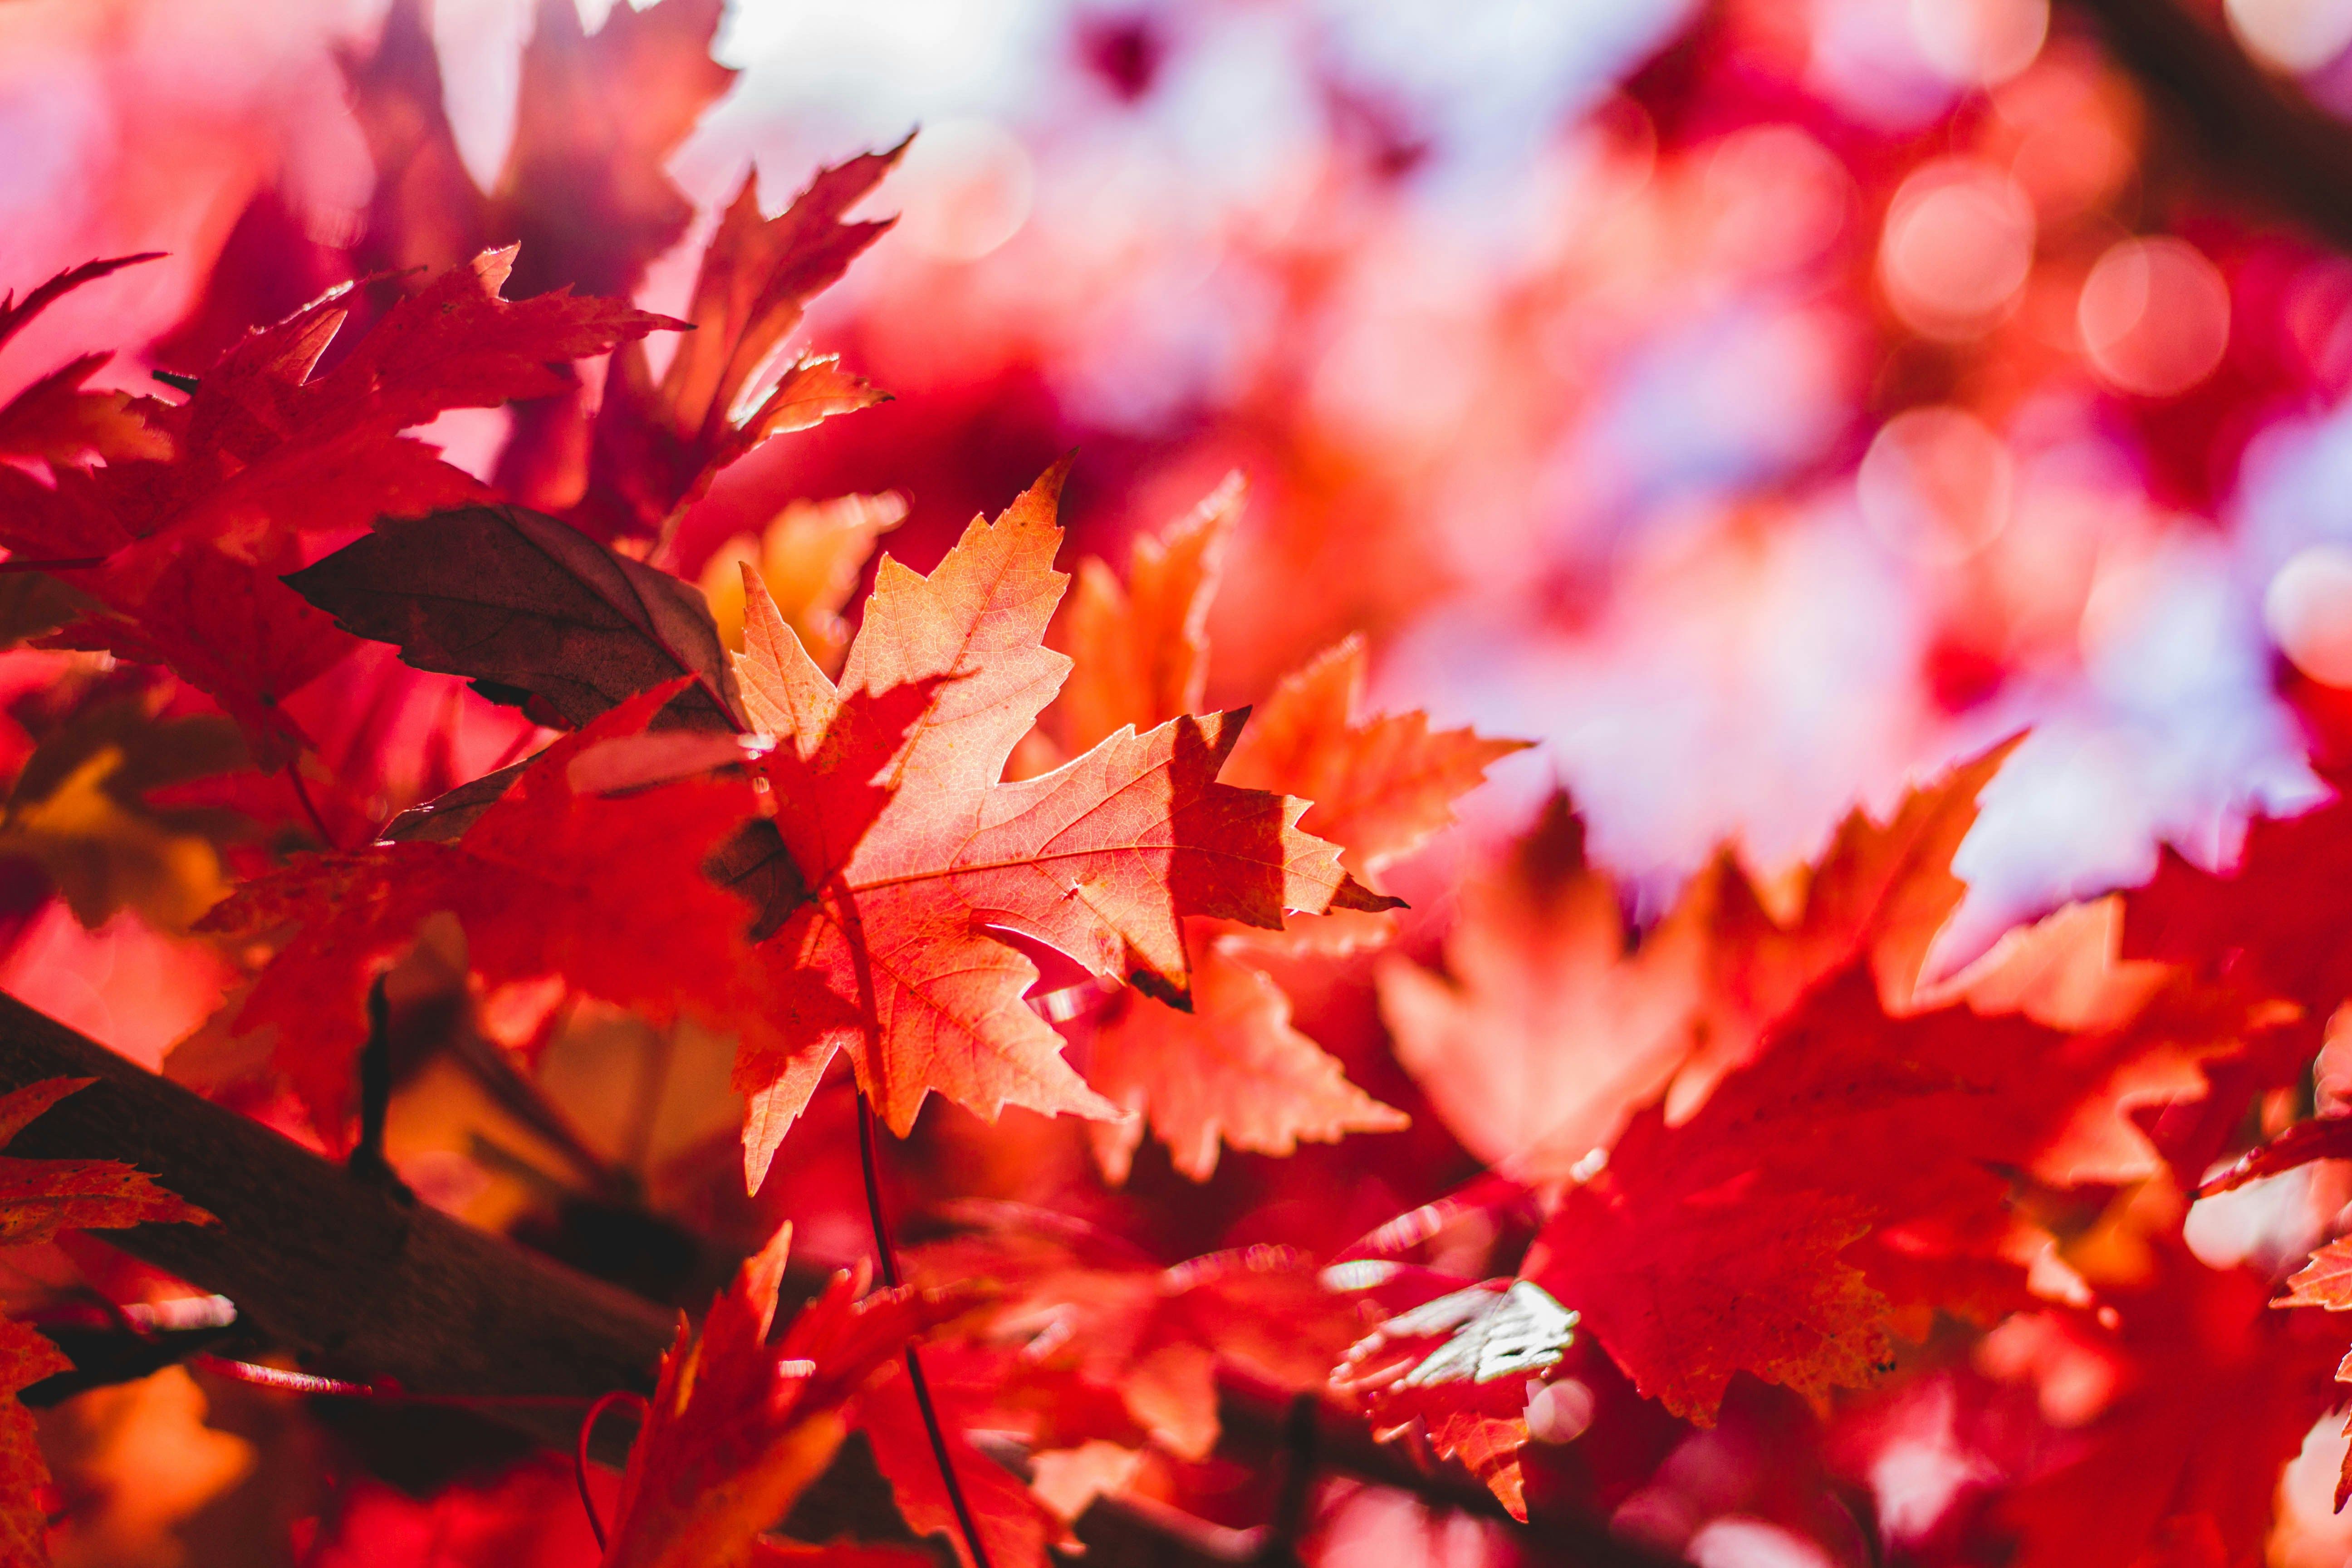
(1295, 1486)
(888, 1256)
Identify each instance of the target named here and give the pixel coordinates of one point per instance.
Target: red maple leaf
(1097, 1322)
(2215, 1395)
(557, 878)
(53, 418)
(2277, 923)
(1722, 1245)
(658, 444)
(233, 632)
(739, 1427)
(913, 852)
(188, 546)
(1015, 1528)
(1881, 892)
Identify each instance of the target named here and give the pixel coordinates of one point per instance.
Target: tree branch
(2259, 131)
(366, 1285)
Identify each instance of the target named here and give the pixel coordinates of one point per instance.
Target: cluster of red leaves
(1755, 1142)
(739, 1427)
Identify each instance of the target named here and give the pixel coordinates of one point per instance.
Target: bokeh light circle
(968, 186)
(1958, 245)
(2154, 316)
(1979, 43)
(2296, 36)
(2308, 612)
(1937, 485)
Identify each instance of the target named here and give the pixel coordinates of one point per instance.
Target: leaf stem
(309, 806)
(1294, 1485)
(888, 1256)
(579, 1450)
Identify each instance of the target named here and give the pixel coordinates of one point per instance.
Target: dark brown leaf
(529, 609)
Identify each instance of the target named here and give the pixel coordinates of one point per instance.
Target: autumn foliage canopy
(1084, 1070)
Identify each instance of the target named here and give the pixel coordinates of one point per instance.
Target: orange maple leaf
(913, 852)
(1232, 1070)
(1139, 650)
(1381, 786)
(1554, 1025)
(39, 1198)
(1229, 1071)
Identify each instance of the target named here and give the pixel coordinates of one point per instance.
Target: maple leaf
(1381, 787)
(2273, 925)
(2215, 1396)
(1077, 1306)
(264, 452)
(225, 628)
(1232, 1070)
(56, 421)
(890, 805)
(1015, 1526)
(27, 1357)
(1883, 892)
(587, 190)
(1553, 1026)
(40, 1198)
(555, 879)
(1229, 1071)
(1722, 1245)
(16, 315)
(739, 1427)
(1464, 1366)
(2326, 1282)
(2322, 1137)
(809, 558)
(1139, 649)
(583, 189)
(658, 444)
(53, 418)
(533, 611)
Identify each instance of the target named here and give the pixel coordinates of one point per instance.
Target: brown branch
(363, 1284)
(2259, 131)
